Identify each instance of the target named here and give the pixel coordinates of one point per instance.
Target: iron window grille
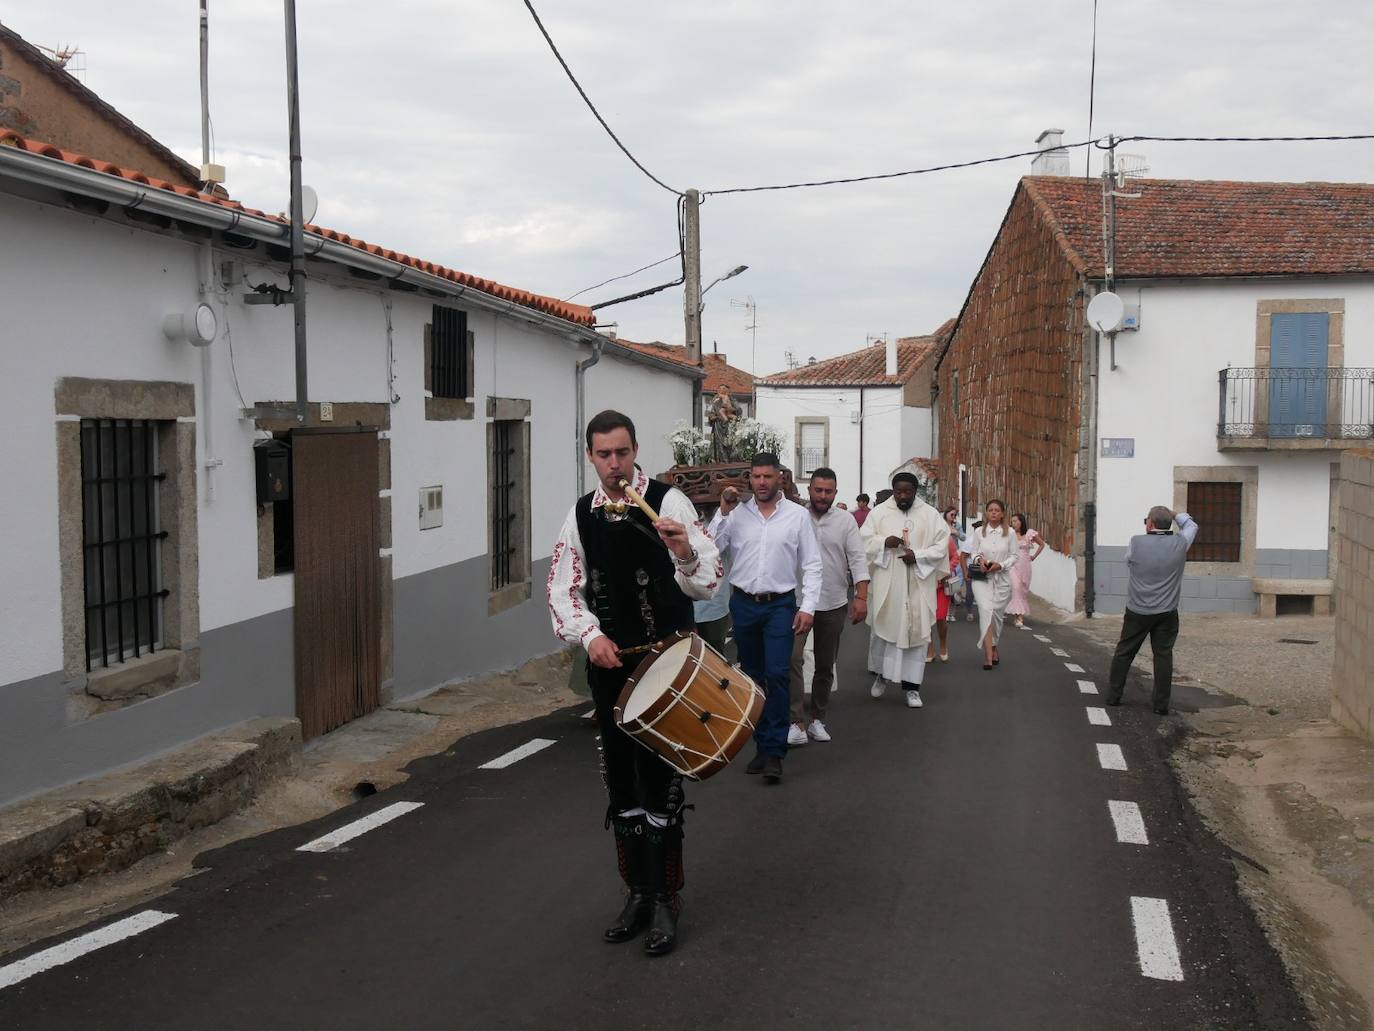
(1217, 509)
(505, 436)
(449, 362)
(121, 539)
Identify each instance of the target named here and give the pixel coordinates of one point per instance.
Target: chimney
(1053, 159)
(891, 344)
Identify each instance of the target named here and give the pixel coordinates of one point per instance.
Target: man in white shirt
(619, 581)
(768, 539)
(842, 562)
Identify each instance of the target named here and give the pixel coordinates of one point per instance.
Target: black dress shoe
(639, 906)
(662, 934)
(756, 764)
(1111, 701)
(1161, 710)
(772, 769)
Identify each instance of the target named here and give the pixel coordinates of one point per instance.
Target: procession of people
(653, 596)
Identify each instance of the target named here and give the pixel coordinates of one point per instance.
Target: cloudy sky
(445, 129)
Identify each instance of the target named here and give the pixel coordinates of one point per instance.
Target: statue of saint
(723, 412)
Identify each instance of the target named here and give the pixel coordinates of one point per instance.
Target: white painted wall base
(1055, 579)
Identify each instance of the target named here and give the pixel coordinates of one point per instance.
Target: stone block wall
(1018, 356)
(1352, 674)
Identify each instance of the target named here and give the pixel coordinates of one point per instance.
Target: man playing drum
(620, 582)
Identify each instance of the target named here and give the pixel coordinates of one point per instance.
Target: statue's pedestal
(703, 483)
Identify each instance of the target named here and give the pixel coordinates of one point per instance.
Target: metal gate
(338, 584)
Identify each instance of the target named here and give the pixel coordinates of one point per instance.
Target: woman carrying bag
(995, 552)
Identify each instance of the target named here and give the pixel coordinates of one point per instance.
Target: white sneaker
(817, 731)
(879, 686)
(913, 700)
(796, 736)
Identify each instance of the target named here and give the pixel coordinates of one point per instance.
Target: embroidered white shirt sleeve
(700, 577)
(572, 620)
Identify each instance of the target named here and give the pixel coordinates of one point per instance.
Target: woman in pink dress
(1030, 545)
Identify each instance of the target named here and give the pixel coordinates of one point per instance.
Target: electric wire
(592, 107)
(1092, 93)
(627, 275)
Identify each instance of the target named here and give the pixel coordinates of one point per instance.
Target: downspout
(861, 440)
(580, 412)
(1093, 347)
(207, 269)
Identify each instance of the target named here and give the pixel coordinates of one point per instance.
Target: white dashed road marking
(1042, 638)
(349, 831)
(1060, 652)
(1098, 717)
(1087, 687)
(1073, 667)
(516, 754)
(80, 946)
(1130, 825)
(589, 714)
(1154, 939)
(1110, 757)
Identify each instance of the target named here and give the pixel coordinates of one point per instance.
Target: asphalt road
(955, 866)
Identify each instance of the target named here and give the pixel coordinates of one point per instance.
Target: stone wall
(1352, 675)
(1017, 354)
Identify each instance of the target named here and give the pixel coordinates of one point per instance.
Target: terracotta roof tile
(549, 305)
(865, 367)
(1185, 228)
(718, 371)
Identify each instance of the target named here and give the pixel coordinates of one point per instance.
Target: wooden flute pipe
(644, 506)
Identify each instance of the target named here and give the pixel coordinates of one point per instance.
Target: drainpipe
(580, 412)
(1092, 346)
(207, 267)
(861, 441)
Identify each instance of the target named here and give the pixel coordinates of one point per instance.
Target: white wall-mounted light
(198, 327)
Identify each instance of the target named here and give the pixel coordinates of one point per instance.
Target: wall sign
(1118, 447)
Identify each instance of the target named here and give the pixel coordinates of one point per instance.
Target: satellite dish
(1106, 312)
(310, 203)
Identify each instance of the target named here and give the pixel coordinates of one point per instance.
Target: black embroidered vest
(630, 583)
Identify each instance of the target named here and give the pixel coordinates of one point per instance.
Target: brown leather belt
(764, 599)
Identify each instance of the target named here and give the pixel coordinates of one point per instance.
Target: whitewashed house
(1242, 368)
(182, 554)
(862, 414)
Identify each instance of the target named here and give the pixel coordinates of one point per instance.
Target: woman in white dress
(996, 548)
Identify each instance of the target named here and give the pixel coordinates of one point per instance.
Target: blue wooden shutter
(1298, 363)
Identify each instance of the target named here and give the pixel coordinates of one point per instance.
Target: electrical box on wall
(272, 463)
(1130, 317)
(431, 507)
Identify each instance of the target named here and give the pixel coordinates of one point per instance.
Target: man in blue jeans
(767, 540)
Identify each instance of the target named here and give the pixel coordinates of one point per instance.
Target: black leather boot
(664, 856)
(631, 856)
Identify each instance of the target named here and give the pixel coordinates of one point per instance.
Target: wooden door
(338, 583)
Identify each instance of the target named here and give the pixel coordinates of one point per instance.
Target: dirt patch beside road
(1291, 792)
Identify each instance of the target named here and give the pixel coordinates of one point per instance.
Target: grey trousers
(826, 629)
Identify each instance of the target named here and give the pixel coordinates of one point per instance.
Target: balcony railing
(1295, 408)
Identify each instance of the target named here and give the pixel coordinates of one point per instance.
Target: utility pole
(293, 105)
(691, 289)
(692, 274)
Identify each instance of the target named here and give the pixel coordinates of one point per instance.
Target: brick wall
(1018, 353)
(1352, 674)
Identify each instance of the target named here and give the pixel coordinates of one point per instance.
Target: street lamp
(729, 275)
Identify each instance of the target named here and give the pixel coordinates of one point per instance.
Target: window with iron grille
(813, 446)
(504, 477)
(449, 361)
(121, 539)
(1217, 509)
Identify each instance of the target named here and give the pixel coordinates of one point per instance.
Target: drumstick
(634, 496)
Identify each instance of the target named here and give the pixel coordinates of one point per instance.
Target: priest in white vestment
(907, 543)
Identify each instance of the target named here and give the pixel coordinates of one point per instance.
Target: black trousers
(635, 776)
(1162, 630)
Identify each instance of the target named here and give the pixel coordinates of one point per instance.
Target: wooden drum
(688, 704)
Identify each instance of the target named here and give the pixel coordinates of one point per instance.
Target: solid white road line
(1098, 717)
(66, 952)
(1060, 652)
(1087, 687)
(1073, 667)
(1130, 825)
(1154, 939)
(1042, 638)
(349, 831)
(516, 754)
(1110, 757)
